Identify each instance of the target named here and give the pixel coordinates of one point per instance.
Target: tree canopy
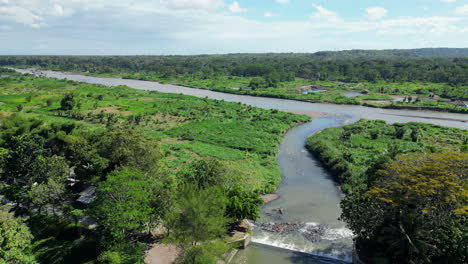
(15, 240)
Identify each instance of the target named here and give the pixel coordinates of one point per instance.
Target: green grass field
(351, 151)
(243, 137)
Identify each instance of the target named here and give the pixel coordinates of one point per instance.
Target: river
(307, 193)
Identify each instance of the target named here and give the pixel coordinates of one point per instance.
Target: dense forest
(452, 70)
(406, 186)
(88, 173)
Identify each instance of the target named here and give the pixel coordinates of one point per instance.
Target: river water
(307, 192)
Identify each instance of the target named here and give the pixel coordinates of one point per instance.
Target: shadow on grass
(58, 240)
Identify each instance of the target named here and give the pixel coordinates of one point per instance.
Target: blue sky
(128, 27)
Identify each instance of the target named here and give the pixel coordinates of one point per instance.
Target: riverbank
(335, 98)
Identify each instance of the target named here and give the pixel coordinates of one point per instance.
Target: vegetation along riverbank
(406, 188)
(91, 171)
(420, 79)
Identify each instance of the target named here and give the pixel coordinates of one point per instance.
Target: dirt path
(161, 254)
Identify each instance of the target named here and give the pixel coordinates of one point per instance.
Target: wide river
(307, 192)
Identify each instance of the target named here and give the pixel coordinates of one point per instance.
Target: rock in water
(281, 227)
(314, 233)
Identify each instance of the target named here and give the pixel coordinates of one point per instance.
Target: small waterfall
(308, 238)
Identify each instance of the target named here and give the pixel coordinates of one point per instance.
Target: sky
(173, 27)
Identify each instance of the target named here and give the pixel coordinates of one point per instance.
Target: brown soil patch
(269, 197)
(174, 141)
(162, 254)
(109, 109)
(33, 106)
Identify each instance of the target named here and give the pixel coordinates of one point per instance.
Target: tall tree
(15, 240)
(128, 147)
(197, 215)
(125, 202)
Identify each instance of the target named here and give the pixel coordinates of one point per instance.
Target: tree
(128, 147)
(68, 102)
(207, 253)
(243, 204)
(25, 153)
(48, 193)
(415, 208)
(425, 183)
(124, 204)
(197, 215)
(4, 153)
(15, 240)
(205, 173)
(256, 83)
(110, 257)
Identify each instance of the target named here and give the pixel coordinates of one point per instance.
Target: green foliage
(206, 173)
(197, 215)
(243, 204)
(416, 74)
(57, 240)
(110, 257)
(416, 202)
(206, 253)
(353, 152)
(125, 202)
(68, 102)
(15, 240)
(257, 82)
(127, 147)
(26, 155)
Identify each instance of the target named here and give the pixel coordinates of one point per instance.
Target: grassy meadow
(243, 137)
(355, 151)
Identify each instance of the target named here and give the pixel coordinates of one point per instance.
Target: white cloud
(194, 4)
(188, 27)
(235, 8)
(448, 1)
(462, 10)
(375, 13)
(20, 15)
(58, 10)
(324, 14)
(283, 2)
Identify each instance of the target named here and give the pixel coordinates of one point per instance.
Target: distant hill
(423, 53)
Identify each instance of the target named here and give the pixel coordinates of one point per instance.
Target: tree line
(310, 66)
